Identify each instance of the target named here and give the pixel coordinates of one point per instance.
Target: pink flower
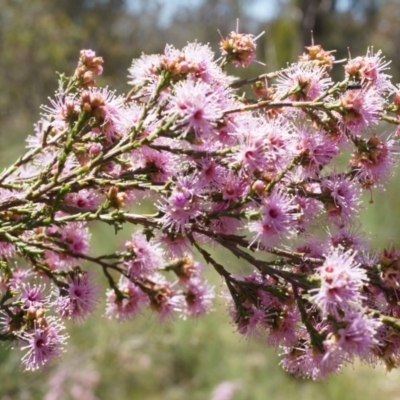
(145, 256)
(80, 297)
(76, 379)
(374, 160)
(277, 218)
(158, 165)
(250, 320)
(314, 149)
(302, 82)
(196, 105)
(342, 198)
(165, 300)
(369, 70)
(210, 172)
(50, 160)
(85, 199)
(61, 109)
(310, 211)
(226, 390)
(20, 275)
(32, 295)
(253, 150)
(349, 238)
(107, 109)
(312, 247)
(279, 134)
(43, 342)
(305, 362)
(75, 237)
(361, 109)
(232, 186)
(356, 335)
(144, 71)
(198, 295)
(182, 205)
(176, 245)
(200, 60)
(284, 327)
(130, 305)
(341, 281)
(6, 249)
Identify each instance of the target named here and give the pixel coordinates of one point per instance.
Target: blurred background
(203, 359)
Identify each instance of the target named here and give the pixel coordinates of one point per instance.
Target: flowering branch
(257, 176)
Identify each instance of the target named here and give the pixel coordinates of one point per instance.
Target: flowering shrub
(261, 176)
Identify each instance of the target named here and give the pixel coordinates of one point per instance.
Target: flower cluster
(260, 176)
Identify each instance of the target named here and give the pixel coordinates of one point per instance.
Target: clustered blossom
(263, 179)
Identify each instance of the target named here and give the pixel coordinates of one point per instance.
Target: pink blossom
(349, 238)
(312, 247)
(277, 219)
(279, 135)
(361, 110)
(302, 82)
(356, 335)
(143, 71)
(200, 59)
(61, 109)
(79, 298)
(369, 70)
(341, 281)
(159, 166)
(20, 276)
(32, 295)
(314, 149)
(305, 362)
(253, 152)
(42, 343)
(225, 390)
(129, 305)
(198, 295)
(165, 300)
(107, 108)
(85, 199)
(374, 160)
(310, 210)
(6, 249)
(283, 328)
(211, 173)
(232, 186)
(181, 206)
(196, 106)
(250, 320)
(176, 245)
(144, 258)
(342, 200)
(77, 380)
(75, 237)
